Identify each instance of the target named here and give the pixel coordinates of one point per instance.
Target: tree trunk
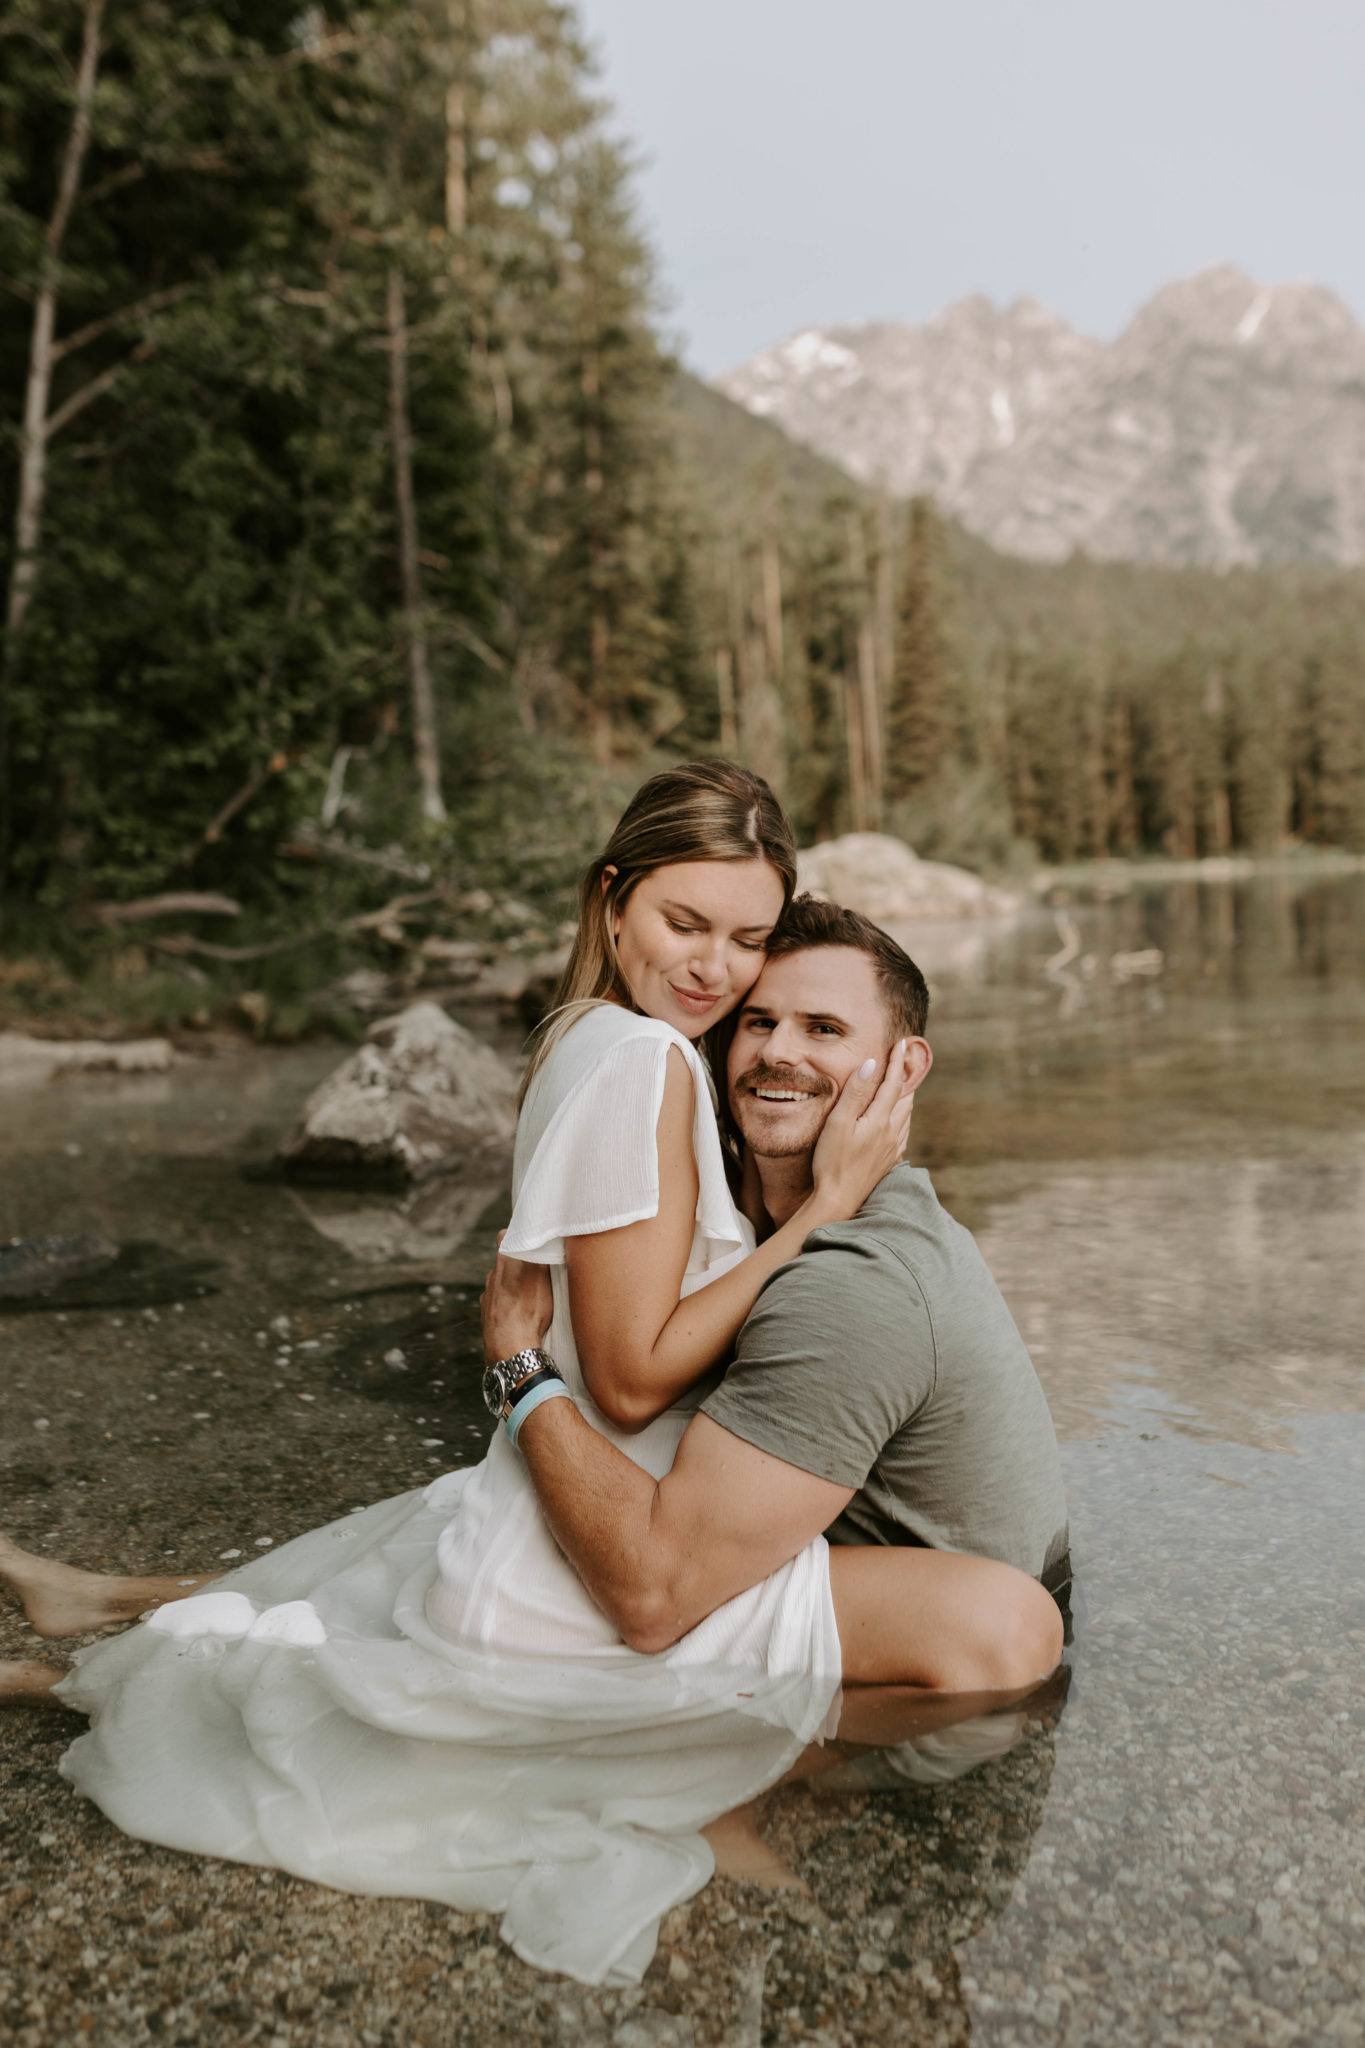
(874, 772)
(425, 750)
(33, 459)
(870, 720)
(725, 698)
(28, 516)
(885, 607)
(457, 148)
(762, 742)
(457, 197)
(857, 755)
(772, 605)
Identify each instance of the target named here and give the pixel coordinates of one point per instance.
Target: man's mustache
(815, 1086)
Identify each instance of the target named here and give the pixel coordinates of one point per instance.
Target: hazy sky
(827, 160)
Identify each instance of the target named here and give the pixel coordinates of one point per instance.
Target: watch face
(494, 1389)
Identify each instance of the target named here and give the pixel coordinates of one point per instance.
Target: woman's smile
(690, 938)
(698, 1001)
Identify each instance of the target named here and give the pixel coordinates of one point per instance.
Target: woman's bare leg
(59, 1600)
(29, 1684)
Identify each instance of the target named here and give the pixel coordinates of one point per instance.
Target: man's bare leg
(928, 1639)
(941, 1621)
(29, 1684)
(740, 1851)
(59, 1600)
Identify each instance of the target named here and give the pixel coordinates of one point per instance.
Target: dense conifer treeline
(349, 491)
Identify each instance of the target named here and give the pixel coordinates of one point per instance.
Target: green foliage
(219, 579)
(616, 566)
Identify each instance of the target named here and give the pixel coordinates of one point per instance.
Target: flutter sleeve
(596, 1164)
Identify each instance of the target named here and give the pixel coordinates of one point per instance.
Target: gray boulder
(422, 1096)
(887, 881)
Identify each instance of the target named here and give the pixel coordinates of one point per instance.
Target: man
(879, 1390)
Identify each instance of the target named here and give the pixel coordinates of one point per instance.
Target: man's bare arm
(658, 1557)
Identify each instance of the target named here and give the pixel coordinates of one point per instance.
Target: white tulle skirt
(419, 1700)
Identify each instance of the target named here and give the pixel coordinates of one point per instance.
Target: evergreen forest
(363, 539)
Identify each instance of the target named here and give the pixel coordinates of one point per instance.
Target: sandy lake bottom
(1151, 1109)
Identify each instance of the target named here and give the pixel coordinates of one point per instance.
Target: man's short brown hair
(807, 923)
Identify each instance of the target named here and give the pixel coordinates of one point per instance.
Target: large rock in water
(422, 1096)
(888, 882)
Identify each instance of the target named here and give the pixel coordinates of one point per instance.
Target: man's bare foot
(740, 1851)
(29, 1684)
(61, 1601)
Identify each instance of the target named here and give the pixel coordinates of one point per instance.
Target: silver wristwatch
(505, 1380)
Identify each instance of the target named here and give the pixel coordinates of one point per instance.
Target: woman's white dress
(421, 1699)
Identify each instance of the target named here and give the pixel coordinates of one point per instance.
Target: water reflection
(1173, 1197)
(887, 1877)
(429, 1224)
(1238, 1284)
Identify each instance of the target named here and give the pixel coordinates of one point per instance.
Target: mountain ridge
(1225, 424)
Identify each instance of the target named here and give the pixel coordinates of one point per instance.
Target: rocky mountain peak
(1225, 424)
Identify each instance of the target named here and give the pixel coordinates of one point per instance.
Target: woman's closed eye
(696, 931)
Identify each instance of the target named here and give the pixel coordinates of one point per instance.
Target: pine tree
(160, 578)
(926, 686)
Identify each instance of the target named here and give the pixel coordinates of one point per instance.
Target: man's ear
(918, 1058)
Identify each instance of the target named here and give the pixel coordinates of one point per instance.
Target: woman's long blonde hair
(702, 810)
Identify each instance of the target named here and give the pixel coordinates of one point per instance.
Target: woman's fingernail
(867, 1070)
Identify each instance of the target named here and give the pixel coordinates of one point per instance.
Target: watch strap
(523, 1386)
(544, 1387)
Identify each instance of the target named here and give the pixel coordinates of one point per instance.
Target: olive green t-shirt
(885, 1359)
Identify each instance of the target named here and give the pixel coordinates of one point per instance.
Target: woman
(421, 1699)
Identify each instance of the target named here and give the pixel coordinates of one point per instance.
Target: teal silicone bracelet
(546, 1391)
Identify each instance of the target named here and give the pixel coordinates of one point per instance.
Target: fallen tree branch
(177, 903)
(390, 915)
(180, 943)
(315, 846)
(393, 912)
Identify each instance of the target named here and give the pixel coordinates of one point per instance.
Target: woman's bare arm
(639, 1344)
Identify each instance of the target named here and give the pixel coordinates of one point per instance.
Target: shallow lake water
(1150, 1106)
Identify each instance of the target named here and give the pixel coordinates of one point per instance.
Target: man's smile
(761, 1086)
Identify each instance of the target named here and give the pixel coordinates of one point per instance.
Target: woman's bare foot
(29, 1684)
(740, 1851)
(61, 1601)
